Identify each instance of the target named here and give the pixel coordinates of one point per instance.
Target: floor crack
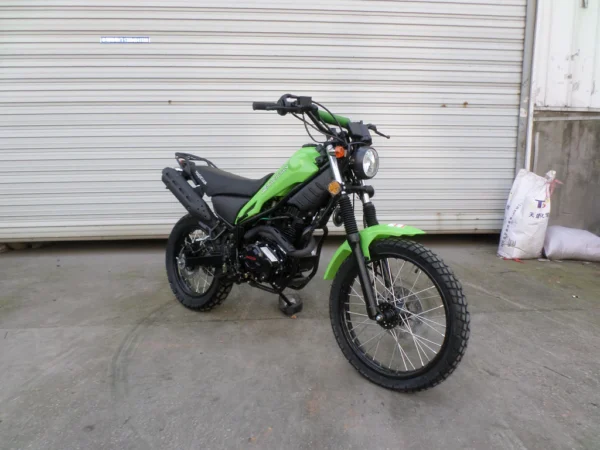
(558, 373)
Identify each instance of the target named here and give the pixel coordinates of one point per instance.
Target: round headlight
(366, 162)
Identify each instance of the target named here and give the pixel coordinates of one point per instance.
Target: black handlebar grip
(263, 106)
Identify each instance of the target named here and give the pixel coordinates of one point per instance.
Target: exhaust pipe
(186, 195)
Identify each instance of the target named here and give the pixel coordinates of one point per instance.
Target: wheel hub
(407, 304)
(390, 317)
(399, 309)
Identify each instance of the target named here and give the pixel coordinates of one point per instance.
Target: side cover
(367, 236)
(297, 169)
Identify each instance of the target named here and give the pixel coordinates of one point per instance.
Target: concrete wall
(570, 144)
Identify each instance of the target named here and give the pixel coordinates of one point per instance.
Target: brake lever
(374, 129)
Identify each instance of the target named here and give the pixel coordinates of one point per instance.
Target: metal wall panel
(86, 127)
(567, 56)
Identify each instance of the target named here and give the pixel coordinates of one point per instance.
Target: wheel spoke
(421, 339)
(415, 293)
(359, 324)
(406, 322)
(423, 350)
(428, 320)
(410, 295)
(423, 344)
(370, 339)
(398, 274)
(419, 299)
(416, 279)
(356, 294)
(424, 312)
(381, 335)
(402, 352)
(423, 321)
(365, 323)
(385, 287)
(392, 359)
(434, 329)
(356, 314)
(376, 348)
(356, 335)
(386, 264)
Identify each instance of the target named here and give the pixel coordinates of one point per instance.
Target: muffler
(178, 185)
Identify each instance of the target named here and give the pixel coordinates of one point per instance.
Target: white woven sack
(571, 243)
(526, 216)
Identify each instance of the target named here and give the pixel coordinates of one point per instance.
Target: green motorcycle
(397, 311)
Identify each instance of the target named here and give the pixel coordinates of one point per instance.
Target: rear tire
(216, 293)
(456, 332)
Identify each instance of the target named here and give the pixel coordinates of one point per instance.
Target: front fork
(351, 227)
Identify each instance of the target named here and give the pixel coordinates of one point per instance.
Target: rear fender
(367, 236)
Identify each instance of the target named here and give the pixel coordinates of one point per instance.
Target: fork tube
(354, 238)
(354, 241)
(370, 219)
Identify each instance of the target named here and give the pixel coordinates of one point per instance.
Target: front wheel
(427, 328)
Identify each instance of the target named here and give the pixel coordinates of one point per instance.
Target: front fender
(367, 236)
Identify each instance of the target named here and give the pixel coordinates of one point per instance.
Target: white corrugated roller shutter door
(86, 127)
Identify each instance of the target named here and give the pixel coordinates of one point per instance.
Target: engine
(263, 261)
(266, 261)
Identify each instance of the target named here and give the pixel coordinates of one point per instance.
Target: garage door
(86, 126)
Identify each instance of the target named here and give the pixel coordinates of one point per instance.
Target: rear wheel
(426, 329)
(196, 288)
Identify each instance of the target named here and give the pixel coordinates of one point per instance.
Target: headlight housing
(366, 162)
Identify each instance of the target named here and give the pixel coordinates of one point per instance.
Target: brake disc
(408, 304)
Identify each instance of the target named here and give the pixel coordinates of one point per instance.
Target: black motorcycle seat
(220, 182)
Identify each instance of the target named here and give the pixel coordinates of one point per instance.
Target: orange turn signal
(340, 152)
(334, 188)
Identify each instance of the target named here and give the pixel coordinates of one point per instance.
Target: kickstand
(289, 305)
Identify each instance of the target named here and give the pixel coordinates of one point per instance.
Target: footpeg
(290, 305)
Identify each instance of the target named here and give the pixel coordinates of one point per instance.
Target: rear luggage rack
(189, 157)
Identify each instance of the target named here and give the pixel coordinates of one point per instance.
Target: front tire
(433, 360)
(195, 293)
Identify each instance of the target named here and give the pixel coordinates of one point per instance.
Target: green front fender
(367, 236)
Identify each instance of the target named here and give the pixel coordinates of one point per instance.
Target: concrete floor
(96, 353)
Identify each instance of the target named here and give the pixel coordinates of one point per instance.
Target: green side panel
(331, 119)
(367, 236)
(297, 169)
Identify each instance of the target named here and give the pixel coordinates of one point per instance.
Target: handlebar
(333, 119)
(264, 106)
(289, 103)
(293, 104)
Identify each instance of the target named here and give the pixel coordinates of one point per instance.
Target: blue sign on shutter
(124, 40)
